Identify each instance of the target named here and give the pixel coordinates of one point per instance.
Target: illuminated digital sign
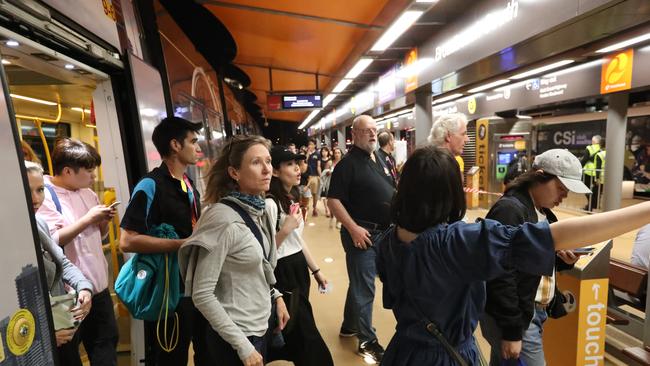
(302, 101)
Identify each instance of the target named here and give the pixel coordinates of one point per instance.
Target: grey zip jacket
(226, 273)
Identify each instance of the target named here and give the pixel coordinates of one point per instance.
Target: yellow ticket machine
(579, 337)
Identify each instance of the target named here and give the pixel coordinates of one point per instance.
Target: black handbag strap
(433, 329)
(250, 223)
(430, 326)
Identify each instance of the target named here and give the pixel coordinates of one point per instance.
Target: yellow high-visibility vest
(590, 167)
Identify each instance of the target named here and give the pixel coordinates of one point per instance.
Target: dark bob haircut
(74, 154)
(430, 191)
(172, 128)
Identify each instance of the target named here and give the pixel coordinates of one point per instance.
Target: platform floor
(325, 245)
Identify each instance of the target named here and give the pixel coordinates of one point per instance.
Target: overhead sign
(274, 102)
(410, 64)
(571, 136)
(616, 72)
(386, 87)
(302, 101)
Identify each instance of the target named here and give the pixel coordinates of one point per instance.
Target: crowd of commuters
(245, 269)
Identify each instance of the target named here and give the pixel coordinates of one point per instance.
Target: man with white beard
(359, 196)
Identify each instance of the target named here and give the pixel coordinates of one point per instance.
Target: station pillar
(423, 116)
(615, 147)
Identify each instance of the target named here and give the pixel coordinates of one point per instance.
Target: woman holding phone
(304, 344)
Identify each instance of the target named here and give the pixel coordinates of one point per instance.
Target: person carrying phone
(78, 223)
(518, 303)
(304, 343)
(360, 193)
(167, 195)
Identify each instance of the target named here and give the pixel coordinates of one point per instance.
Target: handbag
(149, 286)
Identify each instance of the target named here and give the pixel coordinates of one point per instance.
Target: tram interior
(53, 98)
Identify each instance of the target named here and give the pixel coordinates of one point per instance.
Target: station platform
(325, 245)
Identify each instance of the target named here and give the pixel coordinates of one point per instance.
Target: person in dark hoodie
(433, 265)
(517, 302)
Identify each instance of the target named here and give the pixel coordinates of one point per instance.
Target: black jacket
(511, 298)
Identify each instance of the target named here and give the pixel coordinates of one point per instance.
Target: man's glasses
(367, 131)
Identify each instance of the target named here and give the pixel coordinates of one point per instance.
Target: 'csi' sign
(564, 138)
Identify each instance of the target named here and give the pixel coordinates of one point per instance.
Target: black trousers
(304, 344)
(221, 350)
(192, 326)
(98, 333)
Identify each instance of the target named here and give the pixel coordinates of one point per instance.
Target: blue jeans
(532, 349)
(362, 271)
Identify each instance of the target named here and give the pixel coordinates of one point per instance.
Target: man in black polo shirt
(167, 195)
(360, 193)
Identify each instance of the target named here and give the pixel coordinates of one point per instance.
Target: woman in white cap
(518, 303)
(434, 266)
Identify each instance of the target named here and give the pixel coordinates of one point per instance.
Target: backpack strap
(148, 187)
(250, 223)
(55, 198)
(277, 204)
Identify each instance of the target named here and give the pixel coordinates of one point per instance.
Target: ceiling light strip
(396, 30)
(626, 43)
(34, 100)
(358, 68)
(542, 69)
(489, 86)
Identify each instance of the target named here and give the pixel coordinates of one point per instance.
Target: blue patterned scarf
(254, 201)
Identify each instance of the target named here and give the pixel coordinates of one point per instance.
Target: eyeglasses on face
(367, 131)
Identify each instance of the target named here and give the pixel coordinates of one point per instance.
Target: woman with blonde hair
(228, 263)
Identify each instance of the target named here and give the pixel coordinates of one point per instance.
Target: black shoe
(371, 351)
(345, 332)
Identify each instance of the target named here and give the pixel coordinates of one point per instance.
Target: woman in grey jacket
(227, 270)
(59, 271)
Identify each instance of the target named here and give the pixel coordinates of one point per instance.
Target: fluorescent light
(30, 99)
(426, 1)
(539, 70)
(400, 26)
(308, 119)
(489, 86)
(447, 98)
(77, 109)
(341, 85)
(358, 68)
(69, 66)
(521, 116)
(328, 99)
(12, 43)
(623, 44)
(587, 65)
(6, 62)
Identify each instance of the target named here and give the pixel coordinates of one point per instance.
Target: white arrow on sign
(595, 287)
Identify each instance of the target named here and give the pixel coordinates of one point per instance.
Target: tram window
(52, 132)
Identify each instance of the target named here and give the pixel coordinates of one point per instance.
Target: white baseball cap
(564, 165)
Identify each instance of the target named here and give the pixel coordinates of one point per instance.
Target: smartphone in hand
(114, 204)
(294, 208)
(583, 251)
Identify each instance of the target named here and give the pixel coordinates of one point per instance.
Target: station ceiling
(310, 45)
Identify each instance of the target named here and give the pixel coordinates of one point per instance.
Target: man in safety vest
(589, 167)
(599, 162)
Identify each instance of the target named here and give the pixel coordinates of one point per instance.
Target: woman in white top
(303, 342)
